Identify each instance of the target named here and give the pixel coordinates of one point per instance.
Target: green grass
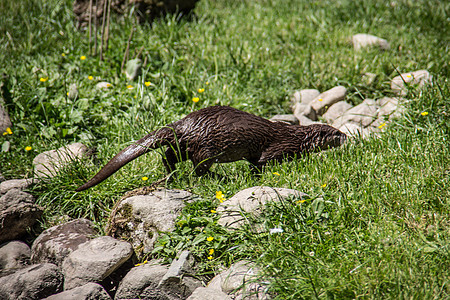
(384, 230)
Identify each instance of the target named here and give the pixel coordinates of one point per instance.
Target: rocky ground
(71, 260)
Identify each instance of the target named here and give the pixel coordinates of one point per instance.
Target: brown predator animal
(220, 134)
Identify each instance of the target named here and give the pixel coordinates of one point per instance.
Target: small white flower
(311, 253)
(276, 230)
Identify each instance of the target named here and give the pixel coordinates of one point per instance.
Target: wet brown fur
(220, 134)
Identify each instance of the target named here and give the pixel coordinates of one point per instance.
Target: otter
(221, 134)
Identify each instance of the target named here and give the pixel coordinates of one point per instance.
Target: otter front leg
(203, 167)
(202, 163)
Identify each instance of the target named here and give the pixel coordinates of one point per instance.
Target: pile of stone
(71, 260)
(309, 106)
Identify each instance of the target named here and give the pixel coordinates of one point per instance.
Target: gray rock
(175, 283)
(180, 266)
(34, 282)
(47, 164)
(304, 96)
(336, 110)
(73, 91)
(416, 79)
(6, 145)
(133, 69)
(94, 260)
(17, 213)
(322, 102)
(19, 184)
(14, 255)
(240, 281)
(89, 291)
(54, 244)
(362, 115)
(306, 110)
(362, 40)
(305, 121)
(290, 119)
(141, 218)
(390, 107)
(5, 121)
(250, 200)
(300, 103)
(356, 130)
(202, 293)
(103, 85)
(369, 78)
(142, 282)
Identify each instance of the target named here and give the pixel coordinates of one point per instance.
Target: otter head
(324, 137)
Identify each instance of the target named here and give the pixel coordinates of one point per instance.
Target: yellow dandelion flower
(147, 83)
(28, 148)
(144, 178)
(83, 57)
(90, 77)
(211, 251)
(195, 99)
(5, 133)
(201, 90)
(300, 201)
(320, 99)
(409, 75)
(8, 131)
(210, 257)
(382, 125)
(207, 82)
(63, 54)
(108, 85)
(129, 87)
(276, 173)
(209, 238)
(43, 79)
(424, 113)
(220, 196)
(213, 211)
(324, 185)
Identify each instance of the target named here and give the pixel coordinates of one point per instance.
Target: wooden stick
(95, 25)
(103, 28)
(90, 26)
(107, 25)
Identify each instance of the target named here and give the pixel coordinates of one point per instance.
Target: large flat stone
(34, 282)
(54, 244)
(93, 261)
(17, 213)
(250, 200)
(49, 163)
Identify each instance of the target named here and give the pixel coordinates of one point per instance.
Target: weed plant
(377, 223)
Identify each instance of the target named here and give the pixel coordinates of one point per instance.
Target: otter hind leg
(171, 158)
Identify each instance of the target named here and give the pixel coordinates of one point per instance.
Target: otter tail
(151, 141)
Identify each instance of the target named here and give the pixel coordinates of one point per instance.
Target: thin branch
(107, 24)
(90, 27)
(103, 28)
(95, 25)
